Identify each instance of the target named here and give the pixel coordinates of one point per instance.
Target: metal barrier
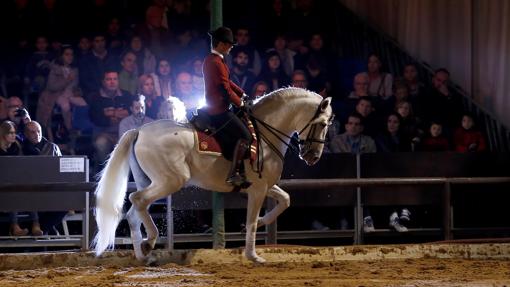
(271, 235)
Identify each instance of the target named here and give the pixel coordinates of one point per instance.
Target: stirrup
(239, 180)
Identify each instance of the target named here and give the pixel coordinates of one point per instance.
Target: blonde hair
(141, 81)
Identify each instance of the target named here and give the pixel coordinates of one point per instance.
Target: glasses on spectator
(14, 106)
(11, 132)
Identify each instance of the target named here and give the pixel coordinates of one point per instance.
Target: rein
(282, 137)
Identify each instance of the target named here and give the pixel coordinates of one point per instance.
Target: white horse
(163, 158)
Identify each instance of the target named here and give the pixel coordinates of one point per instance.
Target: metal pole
(447, 228)
(169, 224)
(271, 229)
(358, 219)
(218, 212)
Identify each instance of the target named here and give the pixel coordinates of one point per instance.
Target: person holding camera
(9, 146)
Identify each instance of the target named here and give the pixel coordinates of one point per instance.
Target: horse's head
(312, 137)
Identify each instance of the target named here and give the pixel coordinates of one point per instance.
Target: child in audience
(435, 141)
(467, 137)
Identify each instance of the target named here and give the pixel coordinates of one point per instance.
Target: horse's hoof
(146, 248)
(256, 259)
(151, 261)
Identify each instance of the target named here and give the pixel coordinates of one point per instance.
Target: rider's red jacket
(220, 91)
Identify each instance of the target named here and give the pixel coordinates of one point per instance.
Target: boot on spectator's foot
(36, 229)
(16, 230)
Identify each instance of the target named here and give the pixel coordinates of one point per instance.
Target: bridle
(283, 137)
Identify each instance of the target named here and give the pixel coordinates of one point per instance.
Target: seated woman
(152, 100)
(62, 89)
(410, 125)
(272, 72)
(392, 138)
(9, 146)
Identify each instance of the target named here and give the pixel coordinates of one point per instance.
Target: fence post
(271, 229)
(447, 222)
(169, 223)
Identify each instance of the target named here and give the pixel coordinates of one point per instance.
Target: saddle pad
(206, 144)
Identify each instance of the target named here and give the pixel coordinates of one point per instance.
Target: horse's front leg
(283, 199)
(255, 200)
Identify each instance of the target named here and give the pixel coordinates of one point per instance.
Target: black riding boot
(236, 176)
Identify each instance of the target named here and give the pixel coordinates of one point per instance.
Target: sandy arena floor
(408, 272)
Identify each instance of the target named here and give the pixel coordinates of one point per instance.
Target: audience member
(38, 67)
(145, 60)
(62, 89)
(379, 83)
(184, 91)
(401, 92)
(353, 141)
(137, 117)
(435, 140)
(439, 104)
(18, 115)
(286, 55)
(272, 72)
(415, 87)
(197, 76)
(467, 137)
(36, 144)
(299, 80)
(93, 66)
(410, 125)
(115, 40)
(83, 48)
(365, 108)
(163, 79)
(128, 75)
(240, 73)
(151, 101)
(392, 139)
(317, 78)
(109, 106)
(360, 84)
(276, 21)
(153, 34)
(259, 89)
(243, 38)
(9, 146)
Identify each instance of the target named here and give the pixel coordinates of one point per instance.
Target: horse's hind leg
(134, 220)
(283, 199)
(141, 201)
(136, 235)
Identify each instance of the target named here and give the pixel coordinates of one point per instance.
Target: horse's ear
(325, 103)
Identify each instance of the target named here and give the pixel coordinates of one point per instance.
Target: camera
(21, 113)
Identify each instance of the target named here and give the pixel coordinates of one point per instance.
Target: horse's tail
(110, 192)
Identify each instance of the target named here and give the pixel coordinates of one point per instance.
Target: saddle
(209, 143)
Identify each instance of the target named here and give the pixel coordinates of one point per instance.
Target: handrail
(363, 182)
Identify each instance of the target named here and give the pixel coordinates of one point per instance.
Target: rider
(220, 93)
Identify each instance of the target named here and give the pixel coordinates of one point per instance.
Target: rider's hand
(245, 107)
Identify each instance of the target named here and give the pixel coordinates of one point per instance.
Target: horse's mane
(284, 95)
